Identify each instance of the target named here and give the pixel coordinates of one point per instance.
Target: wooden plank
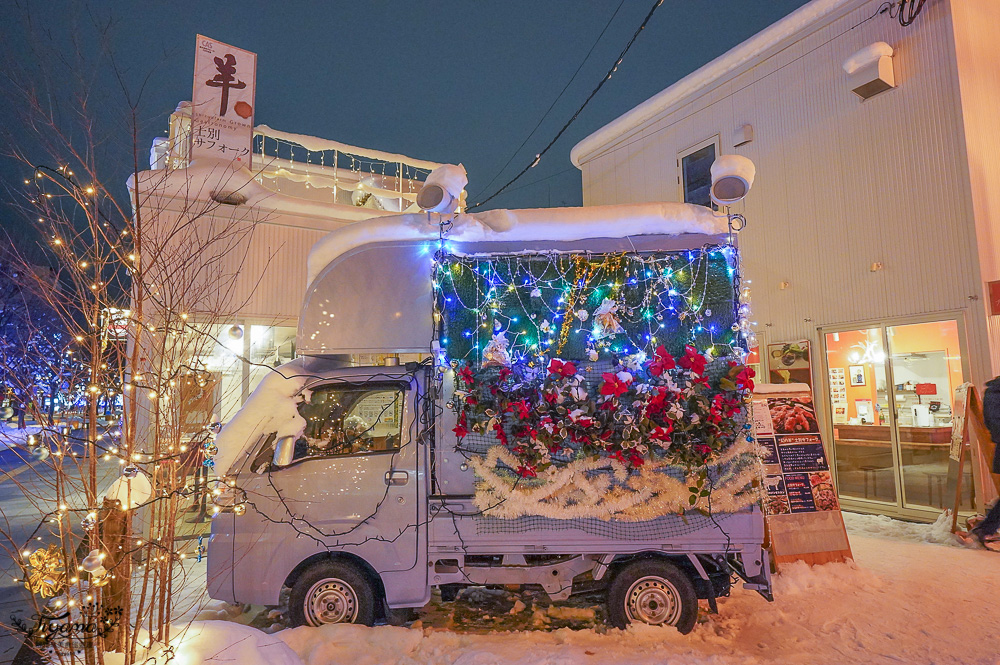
(977, 451)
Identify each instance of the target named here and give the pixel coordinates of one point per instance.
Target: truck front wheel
(331, 592)
(655, 592)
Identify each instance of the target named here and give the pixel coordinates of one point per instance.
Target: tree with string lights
(103, 566)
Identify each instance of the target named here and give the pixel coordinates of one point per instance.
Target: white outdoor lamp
(732, 177)
(443, 189)
(435, 198)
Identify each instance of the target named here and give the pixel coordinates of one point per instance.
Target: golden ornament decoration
(48, 571)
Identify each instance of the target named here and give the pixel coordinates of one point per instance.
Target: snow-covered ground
(11, 436)
(914, 595)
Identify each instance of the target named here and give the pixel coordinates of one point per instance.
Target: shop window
(351, 420)
(695, 172)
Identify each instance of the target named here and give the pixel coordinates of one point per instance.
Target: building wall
(841, 184)
(978, 53)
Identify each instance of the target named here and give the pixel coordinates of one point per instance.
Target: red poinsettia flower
(504, 374)
(462, 428)
(466, 375)
(744, 379)
(500, 433)
(526, 471)
(519, 409)
(612, 385)
(658, 401)
(471, 400)
(702, 449)
(636, 460)
(693, 361)
(662, 361)
(560, 368)
(662, 433)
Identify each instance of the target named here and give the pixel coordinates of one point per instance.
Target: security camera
(435, 198)
(732, 177)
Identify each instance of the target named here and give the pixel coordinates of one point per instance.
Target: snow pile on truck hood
(528, 225)
(272, 407)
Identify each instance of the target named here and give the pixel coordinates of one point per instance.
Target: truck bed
(457, 525)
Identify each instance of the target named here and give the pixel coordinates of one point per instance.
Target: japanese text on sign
(223, 102)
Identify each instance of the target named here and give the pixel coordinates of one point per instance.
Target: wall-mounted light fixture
(732, 177)
(869, 71)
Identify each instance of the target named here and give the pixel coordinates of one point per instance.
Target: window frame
(715, 141)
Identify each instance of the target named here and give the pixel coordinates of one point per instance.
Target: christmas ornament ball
(92, 562)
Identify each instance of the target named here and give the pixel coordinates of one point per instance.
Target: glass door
(891, 390)
(864, 453)
(926, 367)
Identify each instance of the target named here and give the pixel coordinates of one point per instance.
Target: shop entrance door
(891, 390)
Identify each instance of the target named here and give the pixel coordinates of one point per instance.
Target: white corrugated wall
(841, 184)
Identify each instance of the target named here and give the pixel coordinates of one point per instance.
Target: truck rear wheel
(331, 592)
(655, 592)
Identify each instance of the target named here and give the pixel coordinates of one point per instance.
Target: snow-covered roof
(736, 57)
(528, 225)
(316, 144)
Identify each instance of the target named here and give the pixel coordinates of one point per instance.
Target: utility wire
(600, 85)
(558, 97)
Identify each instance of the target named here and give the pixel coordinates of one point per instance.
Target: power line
(600, 85)
(558, 97)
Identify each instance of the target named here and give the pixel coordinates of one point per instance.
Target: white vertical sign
(222, 103)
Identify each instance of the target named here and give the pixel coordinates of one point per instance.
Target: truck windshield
(350, 420)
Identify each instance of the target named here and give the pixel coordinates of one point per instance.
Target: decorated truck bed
(581, 420)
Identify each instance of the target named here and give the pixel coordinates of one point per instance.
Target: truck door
(352, 485)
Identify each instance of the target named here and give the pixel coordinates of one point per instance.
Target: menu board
(803, 514)
(797, 473)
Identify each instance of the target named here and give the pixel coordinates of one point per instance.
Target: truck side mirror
(284, 451)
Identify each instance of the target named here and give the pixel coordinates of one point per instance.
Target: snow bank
(11, 437)
(905, 600)
(356, 645)
(885, 527)
(530, 225)
(216, 643)
(272, 407)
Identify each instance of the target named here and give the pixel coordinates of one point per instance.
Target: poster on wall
(222, 103)
(801, 505)
(788, 362)
(838, 394)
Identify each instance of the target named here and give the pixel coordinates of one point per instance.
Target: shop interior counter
(880, 435)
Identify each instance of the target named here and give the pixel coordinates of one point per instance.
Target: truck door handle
(394, 477)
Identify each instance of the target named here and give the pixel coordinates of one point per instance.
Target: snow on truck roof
(525, 226)
(370, 283)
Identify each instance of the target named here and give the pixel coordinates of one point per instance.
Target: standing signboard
(803, 513)
(222, 103)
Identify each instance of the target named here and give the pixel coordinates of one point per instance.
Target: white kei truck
(356, 525)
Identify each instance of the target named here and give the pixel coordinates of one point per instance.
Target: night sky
(451, 81)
